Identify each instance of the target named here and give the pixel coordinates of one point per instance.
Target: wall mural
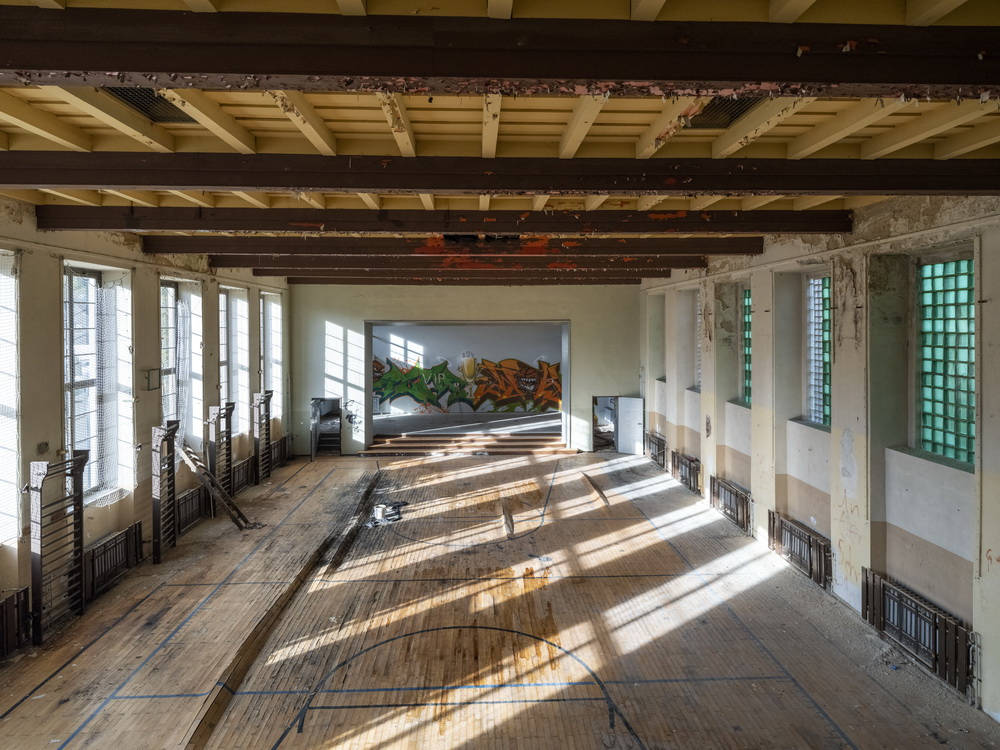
(481, 385)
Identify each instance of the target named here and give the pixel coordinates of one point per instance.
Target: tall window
(746, 359)
(98, 375)
(169, 349)
(10, 464)
(272, 351)
(818, 338)
(946, 360)
(698, 326)
(234, 355)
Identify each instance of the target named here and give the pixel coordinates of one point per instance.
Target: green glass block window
(818, 337)
(745, 341)
(946, 360)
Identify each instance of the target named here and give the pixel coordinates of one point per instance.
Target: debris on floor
(384, 513)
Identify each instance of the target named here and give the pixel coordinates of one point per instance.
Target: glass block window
(224, 370)
(946, 361)
(745, 346)
(699, 326)
(168, 350)
(818, 337)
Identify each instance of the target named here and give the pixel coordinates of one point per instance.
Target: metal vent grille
(147, 101)
(722, 112)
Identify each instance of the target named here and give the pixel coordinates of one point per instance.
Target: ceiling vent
(151, 104)
(722, 112)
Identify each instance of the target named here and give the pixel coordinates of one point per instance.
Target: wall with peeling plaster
(931, 525)
(40, 262)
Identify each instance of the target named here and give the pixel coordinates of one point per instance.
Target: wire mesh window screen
(947, 359)
(81, 368)
(746, 332)
(10, 464)
(818, 332)
(272, 349)
(239, 352)
(698, 327)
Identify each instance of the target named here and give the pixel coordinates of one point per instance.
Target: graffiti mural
(509, 385)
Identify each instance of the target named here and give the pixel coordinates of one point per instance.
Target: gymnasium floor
(521, 602)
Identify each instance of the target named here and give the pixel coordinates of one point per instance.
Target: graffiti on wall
(507, 386)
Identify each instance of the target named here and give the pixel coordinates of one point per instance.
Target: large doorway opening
(457, 378)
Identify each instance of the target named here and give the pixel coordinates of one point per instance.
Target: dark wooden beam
(438, 281)
(464, 175)
(627, 263)
(426, 55)
(306, 221)
(464, 245)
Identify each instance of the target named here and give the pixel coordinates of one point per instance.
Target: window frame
(225, 345)
(175, 344)
(745, 343)
(807, 361)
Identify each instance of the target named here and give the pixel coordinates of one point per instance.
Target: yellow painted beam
(538, 202)
(585, 111)
(353, 7)
(593, 202)
(788, 11)
(491, 124)
(945, 117)
(427, 200)
(645, 10)
(113, 113)
(254, 198)
(850, 120)
(145, 198)
(19, 112)
(315, 200)
(202, 6)
(28, 196)
(753, 202)
(197, 197)
(646, 202)
(926, 12)
(298, 109)
(755, 123)
(211, 116)
(371, 200)
(83, 197)
(805, 202)
(394, 109)
(972, 139)
(499, 8)
(675, 115)
(701, 202)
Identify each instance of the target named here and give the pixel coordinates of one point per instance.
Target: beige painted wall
(330, 357)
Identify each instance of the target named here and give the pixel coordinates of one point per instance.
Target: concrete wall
(734, 451)
(41, 258)
(928, 523)
(332, 357)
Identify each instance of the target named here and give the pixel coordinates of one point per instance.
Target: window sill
(809, 423)
(739, 402)
(934, 458)
(103, 498)
(694, 388)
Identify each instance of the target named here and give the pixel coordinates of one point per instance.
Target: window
(97, 381)
(10, 464)
(169, 346)
(946, 359)
(818, 338)
(272, 354)
(698, 331)
(746, 360)
(234, 355)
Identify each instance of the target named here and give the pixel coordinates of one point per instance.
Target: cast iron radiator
(801, 546)
(281, 450)
(242, 475)
(107, 561)
(56, 542)
(191, 506)
(15, 622)
(263, 459)
(686, 470)
(733, 501)
(656, 449)
(164, 489)
(936, 639)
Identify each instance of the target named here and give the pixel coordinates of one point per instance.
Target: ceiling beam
(502, 9)
(645, 10)
(468, 273)
(581, 119)
(213, 118)
(197, 197)
(370, 280)
(972, 139)
(811, 201)
(755, 123)
(394, 109)
(456, 263)
(315, 200)
(50, 4)
(255, 198)
(429, 55)
(926, 12)
(701, 202)
(787, 11)
(753, 202)
(646, 202)
(466, 176)
(298, 109)
(83, 197)
(464, 245)
(674, 116)
(104, 107)
(427, 199)
(4, 141)
(202, 6)
(945, 117)
(491, 124)
(851, 120)
(28, 196)
(538, 202)
(373, 201)
(593, 202)
(18, 112)
(296, 220)
(137, 197)
(353, 7)
(484, 203)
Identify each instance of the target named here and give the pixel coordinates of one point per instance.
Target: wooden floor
(536, 602)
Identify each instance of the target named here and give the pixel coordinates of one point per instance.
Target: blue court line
(208, 597)
(231, 583)
(454, 703)
(488, 686)
(753, 636)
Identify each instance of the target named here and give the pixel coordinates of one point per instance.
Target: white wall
(808, 454)
(329, 349)
(692, 410)
(737, 434)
